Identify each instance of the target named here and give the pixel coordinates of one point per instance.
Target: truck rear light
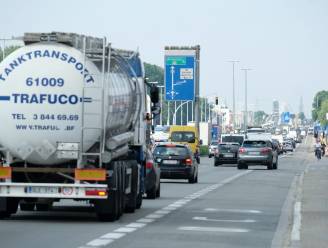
(241, 150)
(5, 172)
(149, 164)
(96, 192)
(188, 161)
(90, 174)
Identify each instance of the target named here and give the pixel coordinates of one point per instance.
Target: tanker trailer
(74, 125)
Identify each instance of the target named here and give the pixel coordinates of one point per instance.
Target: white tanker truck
(74, 124)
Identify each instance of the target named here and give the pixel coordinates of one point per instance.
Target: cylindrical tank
(42, 89)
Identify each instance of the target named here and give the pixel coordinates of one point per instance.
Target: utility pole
(246, 110)
(233, 93)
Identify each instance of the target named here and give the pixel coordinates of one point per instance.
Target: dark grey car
(227, 153)
(257, 152)
(176, 161)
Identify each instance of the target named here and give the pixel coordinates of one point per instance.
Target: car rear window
(225, 147)
(254, 143)
(171, 150)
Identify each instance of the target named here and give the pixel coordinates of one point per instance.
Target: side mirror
(154, 94)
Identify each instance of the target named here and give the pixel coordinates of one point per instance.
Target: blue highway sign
(179, 78)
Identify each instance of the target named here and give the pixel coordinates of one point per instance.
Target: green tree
(259, 117)
(8, 50)
(322, 113)
(318, 99)
(154, 73)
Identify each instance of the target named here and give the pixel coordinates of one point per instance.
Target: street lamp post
(233, 92)
(246, 110)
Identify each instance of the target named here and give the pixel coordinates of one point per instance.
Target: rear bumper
(176, 173)
(47, 190)
(260, 160)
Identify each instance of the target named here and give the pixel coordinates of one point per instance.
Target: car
(152, 178)
(176, 161)
(212, 148)
(288, 146)
(257, 152)
(227, 153)
(310, 131)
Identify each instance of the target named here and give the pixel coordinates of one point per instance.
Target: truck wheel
(8, 206)
(26, 206)
(216, 163)
(158, 192)
(240, 166)
(108, 209)
(131, 202)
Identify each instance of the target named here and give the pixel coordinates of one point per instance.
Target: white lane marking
(218, 220)
(212, 229)
(154, 216)
(144, 220)
(99, 242)
(296, 231)
(125, 229)
(162, 212)
(169, 208)
(250, 211)
(113, 235)
(173, 206)
(136, 225)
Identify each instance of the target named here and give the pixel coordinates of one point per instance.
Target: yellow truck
(186, 135)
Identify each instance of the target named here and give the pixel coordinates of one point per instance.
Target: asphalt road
(227, 208)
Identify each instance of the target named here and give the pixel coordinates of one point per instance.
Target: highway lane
(227, 208)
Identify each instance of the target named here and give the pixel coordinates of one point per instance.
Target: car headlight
(158, 160)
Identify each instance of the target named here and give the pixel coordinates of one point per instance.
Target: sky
(284, 42)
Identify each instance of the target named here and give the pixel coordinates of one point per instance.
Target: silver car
(257, 152)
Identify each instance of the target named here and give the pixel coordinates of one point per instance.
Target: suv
(259, 152)
(227, 153)
(176, 161)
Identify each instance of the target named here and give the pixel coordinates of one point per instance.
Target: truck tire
(131, 198)
(240, 166)
(108, 209)
(8, 206)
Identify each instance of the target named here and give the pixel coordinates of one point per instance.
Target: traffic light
(216, 100)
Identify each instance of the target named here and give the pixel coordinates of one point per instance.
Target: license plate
(42, 190)
(253, 153)
(170, 161)
(228, 155)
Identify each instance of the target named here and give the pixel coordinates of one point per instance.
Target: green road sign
(175, 60)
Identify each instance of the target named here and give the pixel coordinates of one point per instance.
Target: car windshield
(181, 136)
(170, 151)
(254, 143)
(214, 143)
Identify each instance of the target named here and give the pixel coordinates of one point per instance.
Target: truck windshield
(183, 137)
